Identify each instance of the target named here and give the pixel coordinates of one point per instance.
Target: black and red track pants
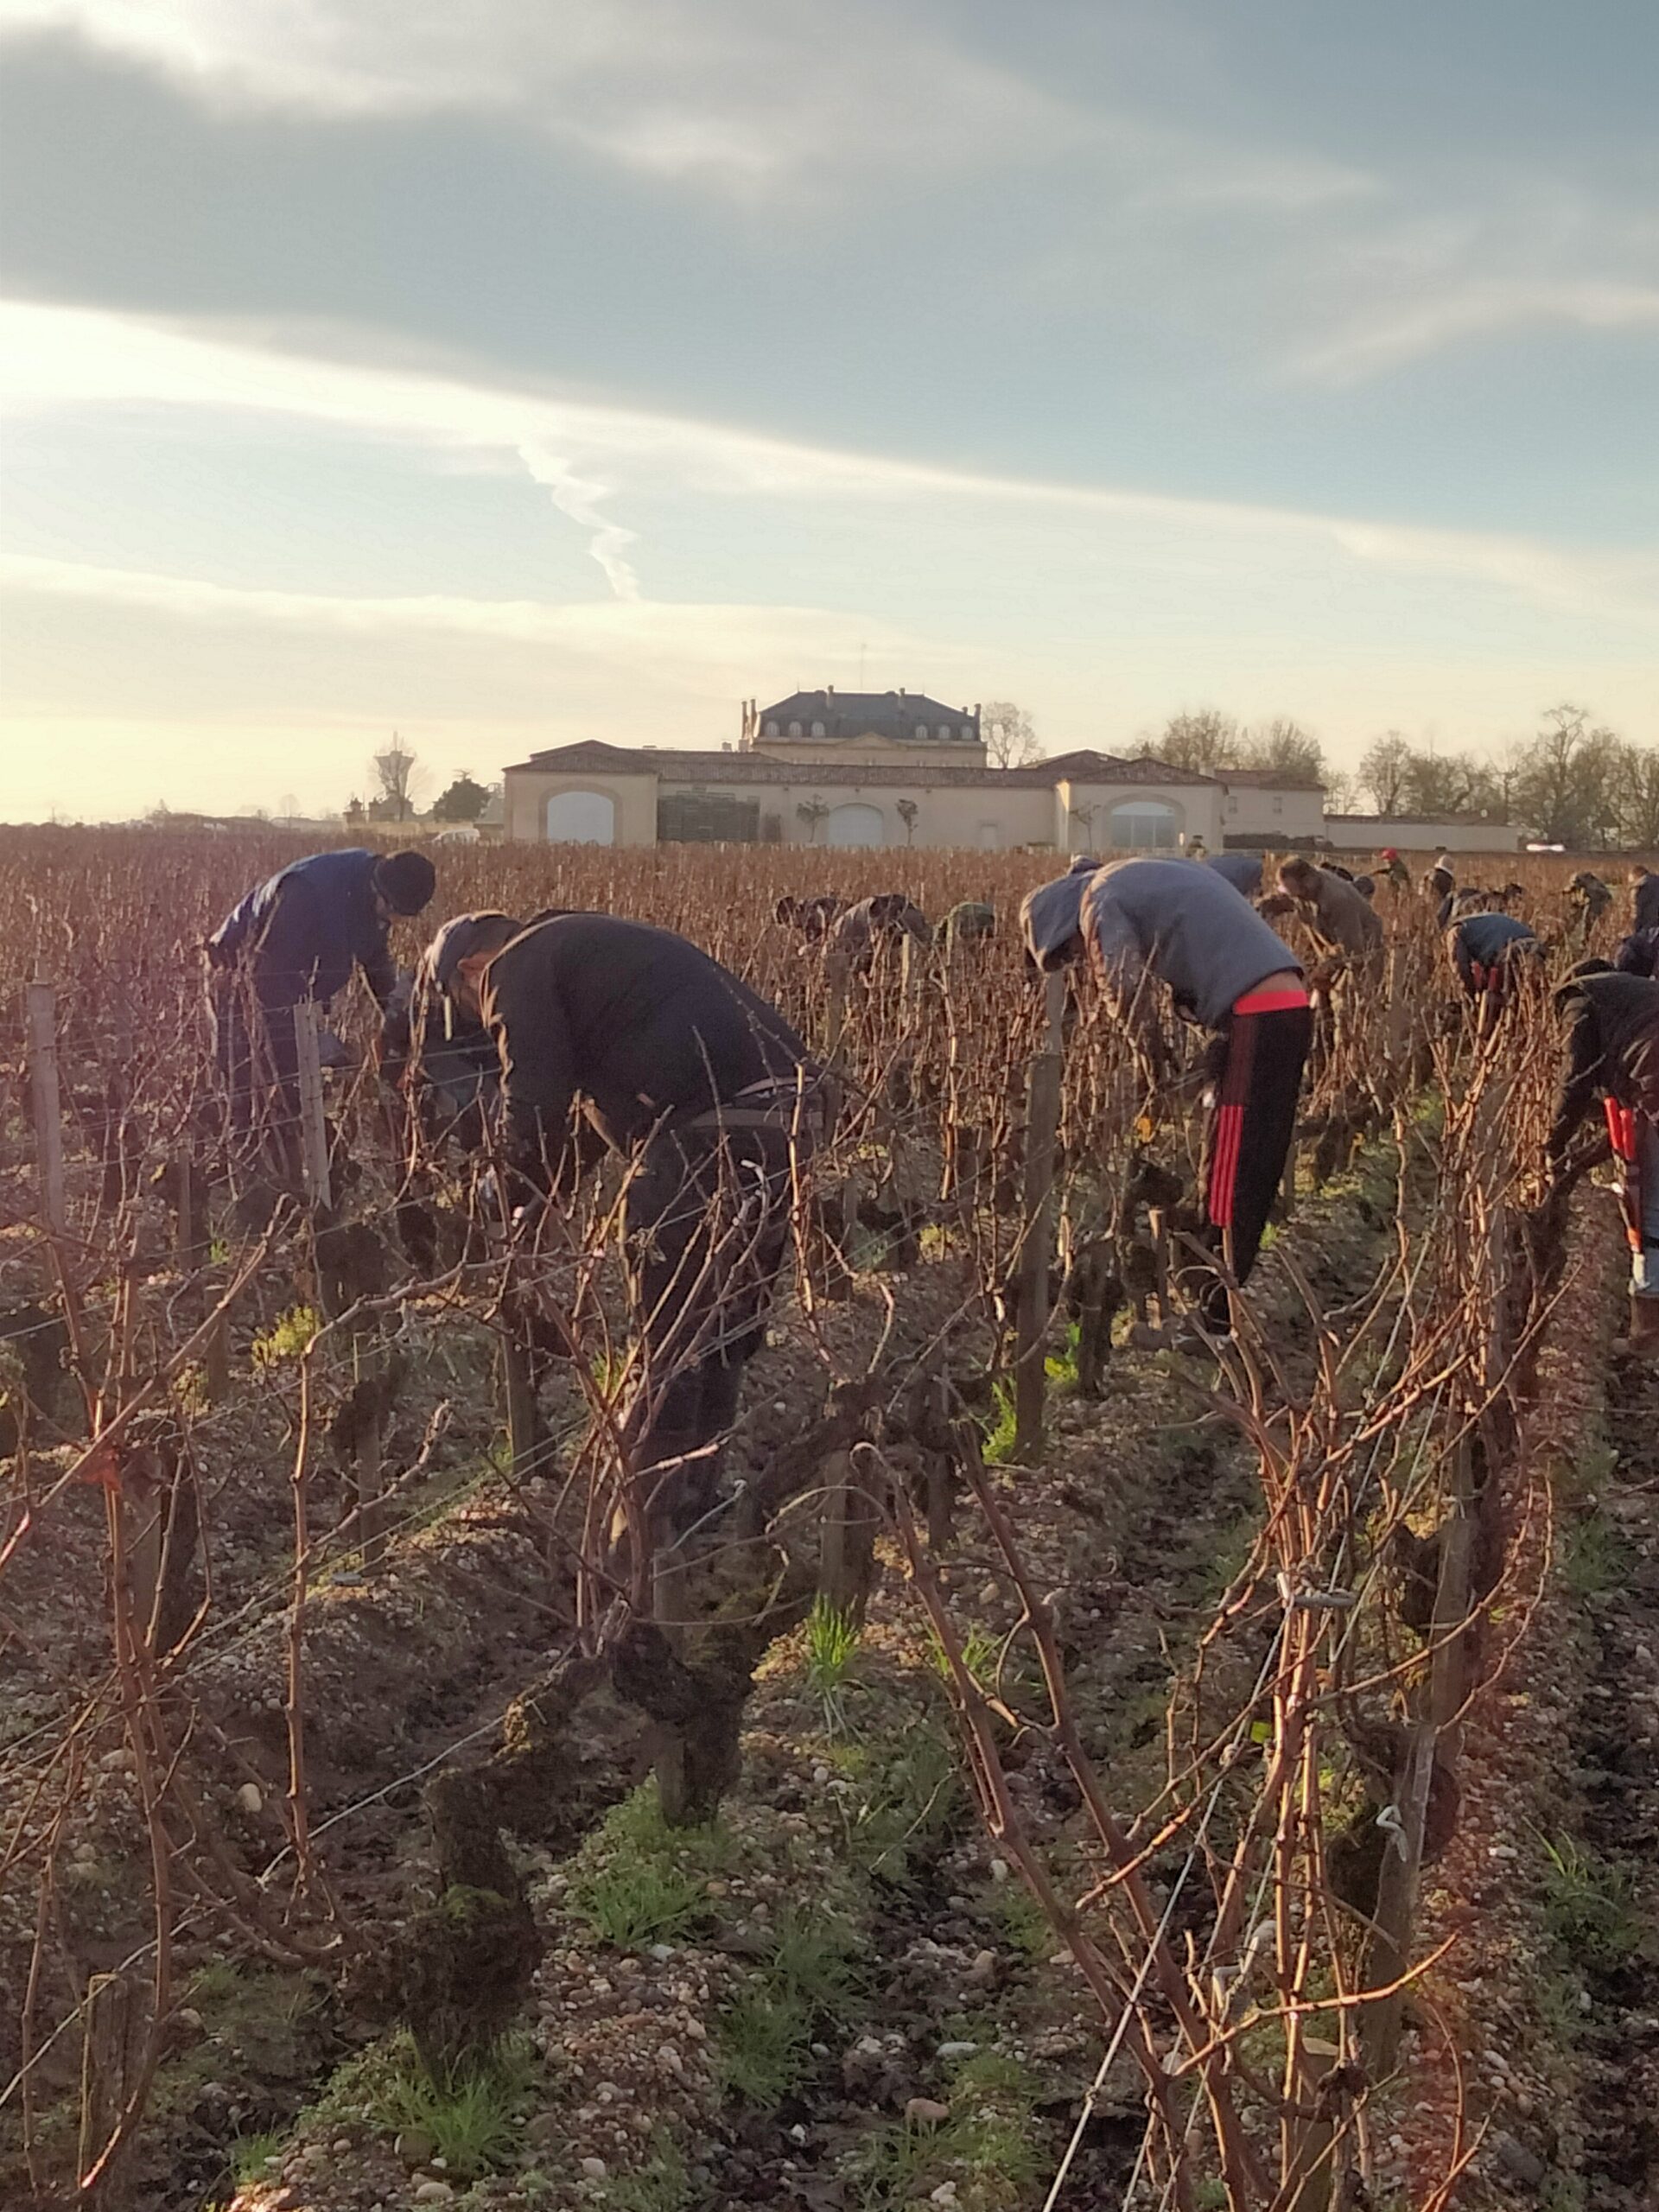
(1265, 1041)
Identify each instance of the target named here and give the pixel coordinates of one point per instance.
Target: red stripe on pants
(1224, 1172)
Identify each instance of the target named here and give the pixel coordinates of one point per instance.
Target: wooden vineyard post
(1036, 1246)
(1397, 1904)
(43, 1086)
(518, 1388)
(370, 1504)
(835, 975)
(832, 1550)
(110, 2056)
(313, 1129)
(192, 1248)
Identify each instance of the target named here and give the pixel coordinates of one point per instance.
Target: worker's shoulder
(573, 936)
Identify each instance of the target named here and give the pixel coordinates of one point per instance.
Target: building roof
(1427, 821)
(674, 764)
(1088, 767)
(1269, 780)
(886, 713)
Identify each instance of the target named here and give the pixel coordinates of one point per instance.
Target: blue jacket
(1486, 941)
(303, 931)
(1242, 870)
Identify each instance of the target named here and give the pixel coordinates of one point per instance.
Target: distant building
(891, 727)
(898, 768)
(593, 793)
(1449, 833)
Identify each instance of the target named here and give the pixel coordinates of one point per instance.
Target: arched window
(944, 731)
(794, 729)
(1144, 825)
(855, 825)
(921, 729)
(770, 730)
(817, 729)
(580, 819)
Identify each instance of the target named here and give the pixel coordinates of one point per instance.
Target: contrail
(579, 498)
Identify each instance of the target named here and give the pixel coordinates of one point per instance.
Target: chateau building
(896, 768)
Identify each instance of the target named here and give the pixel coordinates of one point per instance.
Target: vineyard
(1062, 1771)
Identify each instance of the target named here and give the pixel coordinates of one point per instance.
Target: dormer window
(794, 729)
(770, 730)
(817, 729)
(921, 731)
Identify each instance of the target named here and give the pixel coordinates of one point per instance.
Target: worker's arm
(538, 1079)
(1578, 1091)
(374, 959)
(285, 957)
(1116, 944)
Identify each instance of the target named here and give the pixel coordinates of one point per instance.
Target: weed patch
(638, 1881)
(832, 1640)
(1589, 1909)
(474, 2121)
(767, 2029)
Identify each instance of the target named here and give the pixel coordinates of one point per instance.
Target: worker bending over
(444, 1060)
(1612, 1040)
(299, 936)
(1340, 917)
(1225, 969)
(1483, 949)
(681, 1068)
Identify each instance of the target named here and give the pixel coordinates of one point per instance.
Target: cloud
(741, 93)
(1482, 308)
(721, 636)
(593, 457)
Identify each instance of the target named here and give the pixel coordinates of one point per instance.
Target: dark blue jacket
(1486, 941)
(303, 931)
(1242, 870)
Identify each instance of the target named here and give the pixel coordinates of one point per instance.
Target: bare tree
(1565, 782)
(906, 810)
(1639, 797)
(396, 776)
(814, 813)
(1203, 739)
(1282, 746)
(1385, 772)
(1010, 740)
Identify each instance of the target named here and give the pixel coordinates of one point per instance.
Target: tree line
(1574, 782)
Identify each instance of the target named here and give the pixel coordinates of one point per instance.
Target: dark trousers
(707, 1224)
(1249, 1136)
(256, 1059)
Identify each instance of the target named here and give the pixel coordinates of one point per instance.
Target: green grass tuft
(638, 1881)
(809, 1980)
(662, 2184)
(1589, 1908)
(833, 1635)
(476, 2120)
(249, 2155)
(1594, 1557)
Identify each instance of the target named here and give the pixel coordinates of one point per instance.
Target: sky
(504, 372)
